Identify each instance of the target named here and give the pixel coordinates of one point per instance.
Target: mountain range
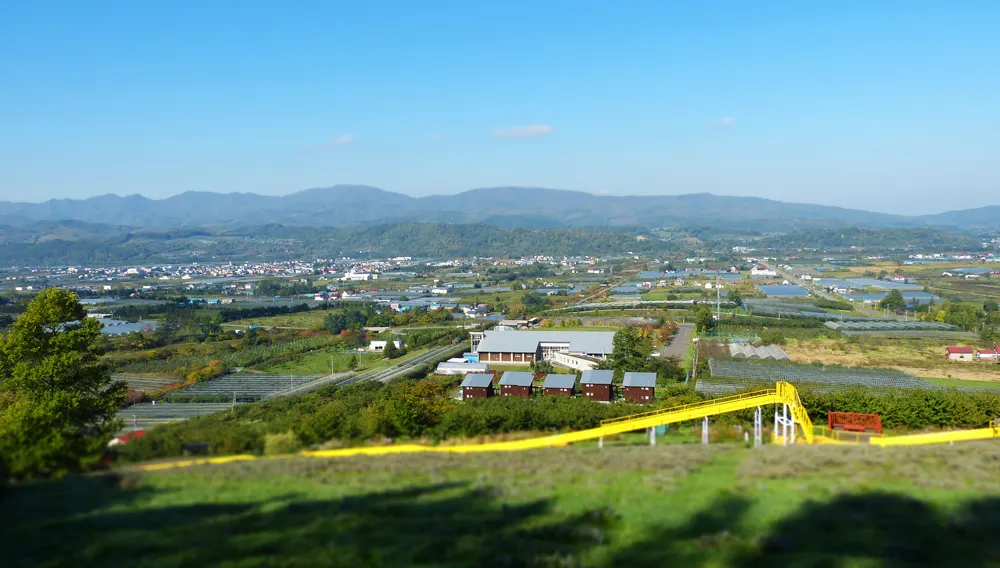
(356, 205)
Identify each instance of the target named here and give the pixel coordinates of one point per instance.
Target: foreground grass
(577, 506)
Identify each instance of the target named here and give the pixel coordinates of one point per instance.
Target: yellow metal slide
(783, 393)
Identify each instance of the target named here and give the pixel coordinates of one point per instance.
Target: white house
(378, 345)
(359, 276)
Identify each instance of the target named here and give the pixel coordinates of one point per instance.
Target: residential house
(597, 385)
(639, 388)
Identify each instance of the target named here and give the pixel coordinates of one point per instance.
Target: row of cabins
(638, 388)
(954, 353)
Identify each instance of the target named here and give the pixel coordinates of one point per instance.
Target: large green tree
(703, 318)
(893, 301)
(57, 398)
(630, 352)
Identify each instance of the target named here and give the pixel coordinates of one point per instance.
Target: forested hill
(71, 243)
(882, 239)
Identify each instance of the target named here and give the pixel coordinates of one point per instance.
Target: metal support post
(791, 427)
(652, 435)
(784, 424)
(704, 431)
(758, 427)
(600, 442)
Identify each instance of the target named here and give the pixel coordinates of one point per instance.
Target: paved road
(680, 342)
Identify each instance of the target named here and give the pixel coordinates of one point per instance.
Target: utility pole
(718, 299)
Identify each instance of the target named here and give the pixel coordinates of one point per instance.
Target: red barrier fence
(854, 422)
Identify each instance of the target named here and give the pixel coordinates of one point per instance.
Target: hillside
(671, 505)
(50, 243)
(352, 205)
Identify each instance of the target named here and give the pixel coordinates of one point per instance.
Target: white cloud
(523, 131)
(435, 135)
(339, 141)
(723, 122)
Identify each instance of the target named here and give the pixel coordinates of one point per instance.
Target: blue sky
(880, 105)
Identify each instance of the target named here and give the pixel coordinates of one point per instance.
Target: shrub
(277, 444)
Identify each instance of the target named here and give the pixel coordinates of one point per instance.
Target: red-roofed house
(959, 354)
(989, 354)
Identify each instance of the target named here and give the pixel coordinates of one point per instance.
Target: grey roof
(559, 382)
(517, 379)
(594, 342)
(639, 380)
(477, 380)
(597, 377)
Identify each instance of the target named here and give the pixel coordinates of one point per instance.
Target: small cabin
(477, 385)
(516, 383)
(639, 388)
(559, 385)
(597, 385)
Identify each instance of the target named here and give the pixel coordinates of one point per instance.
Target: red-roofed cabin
(959, 354)
(989, 354)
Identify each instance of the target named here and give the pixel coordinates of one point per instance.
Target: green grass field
(674, 506)
(960, 383)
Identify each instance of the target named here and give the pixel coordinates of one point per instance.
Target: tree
(703, 318)
(352, 362)
(57, 399)
(629, 354)
(893, 301)
(390, 351)
(736, 298)
(991, 306)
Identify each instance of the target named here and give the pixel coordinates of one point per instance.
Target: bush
(277, 444)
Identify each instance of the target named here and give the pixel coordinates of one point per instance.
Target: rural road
(679, 343)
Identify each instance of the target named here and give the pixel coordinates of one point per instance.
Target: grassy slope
(623, 506)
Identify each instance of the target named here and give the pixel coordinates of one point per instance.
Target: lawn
(675, 506)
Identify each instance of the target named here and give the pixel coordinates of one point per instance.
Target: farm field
(302, 320)
(317, 362)
(684, 505)
(919, 357)
(963, 384)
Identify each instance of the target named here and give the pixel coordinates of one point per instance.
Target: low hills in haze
(345, 205)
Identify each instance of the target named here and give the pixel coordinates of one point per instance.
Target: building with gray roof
(477, 385)
(526, 346)
(639, 388)
(559, 385)
(516, 384)
(597, 385)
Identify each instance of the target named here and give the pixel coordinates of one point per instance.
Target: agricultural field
(684, 506)
(303, 320)
(319, 362)
(921, 357)
(731, 375)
